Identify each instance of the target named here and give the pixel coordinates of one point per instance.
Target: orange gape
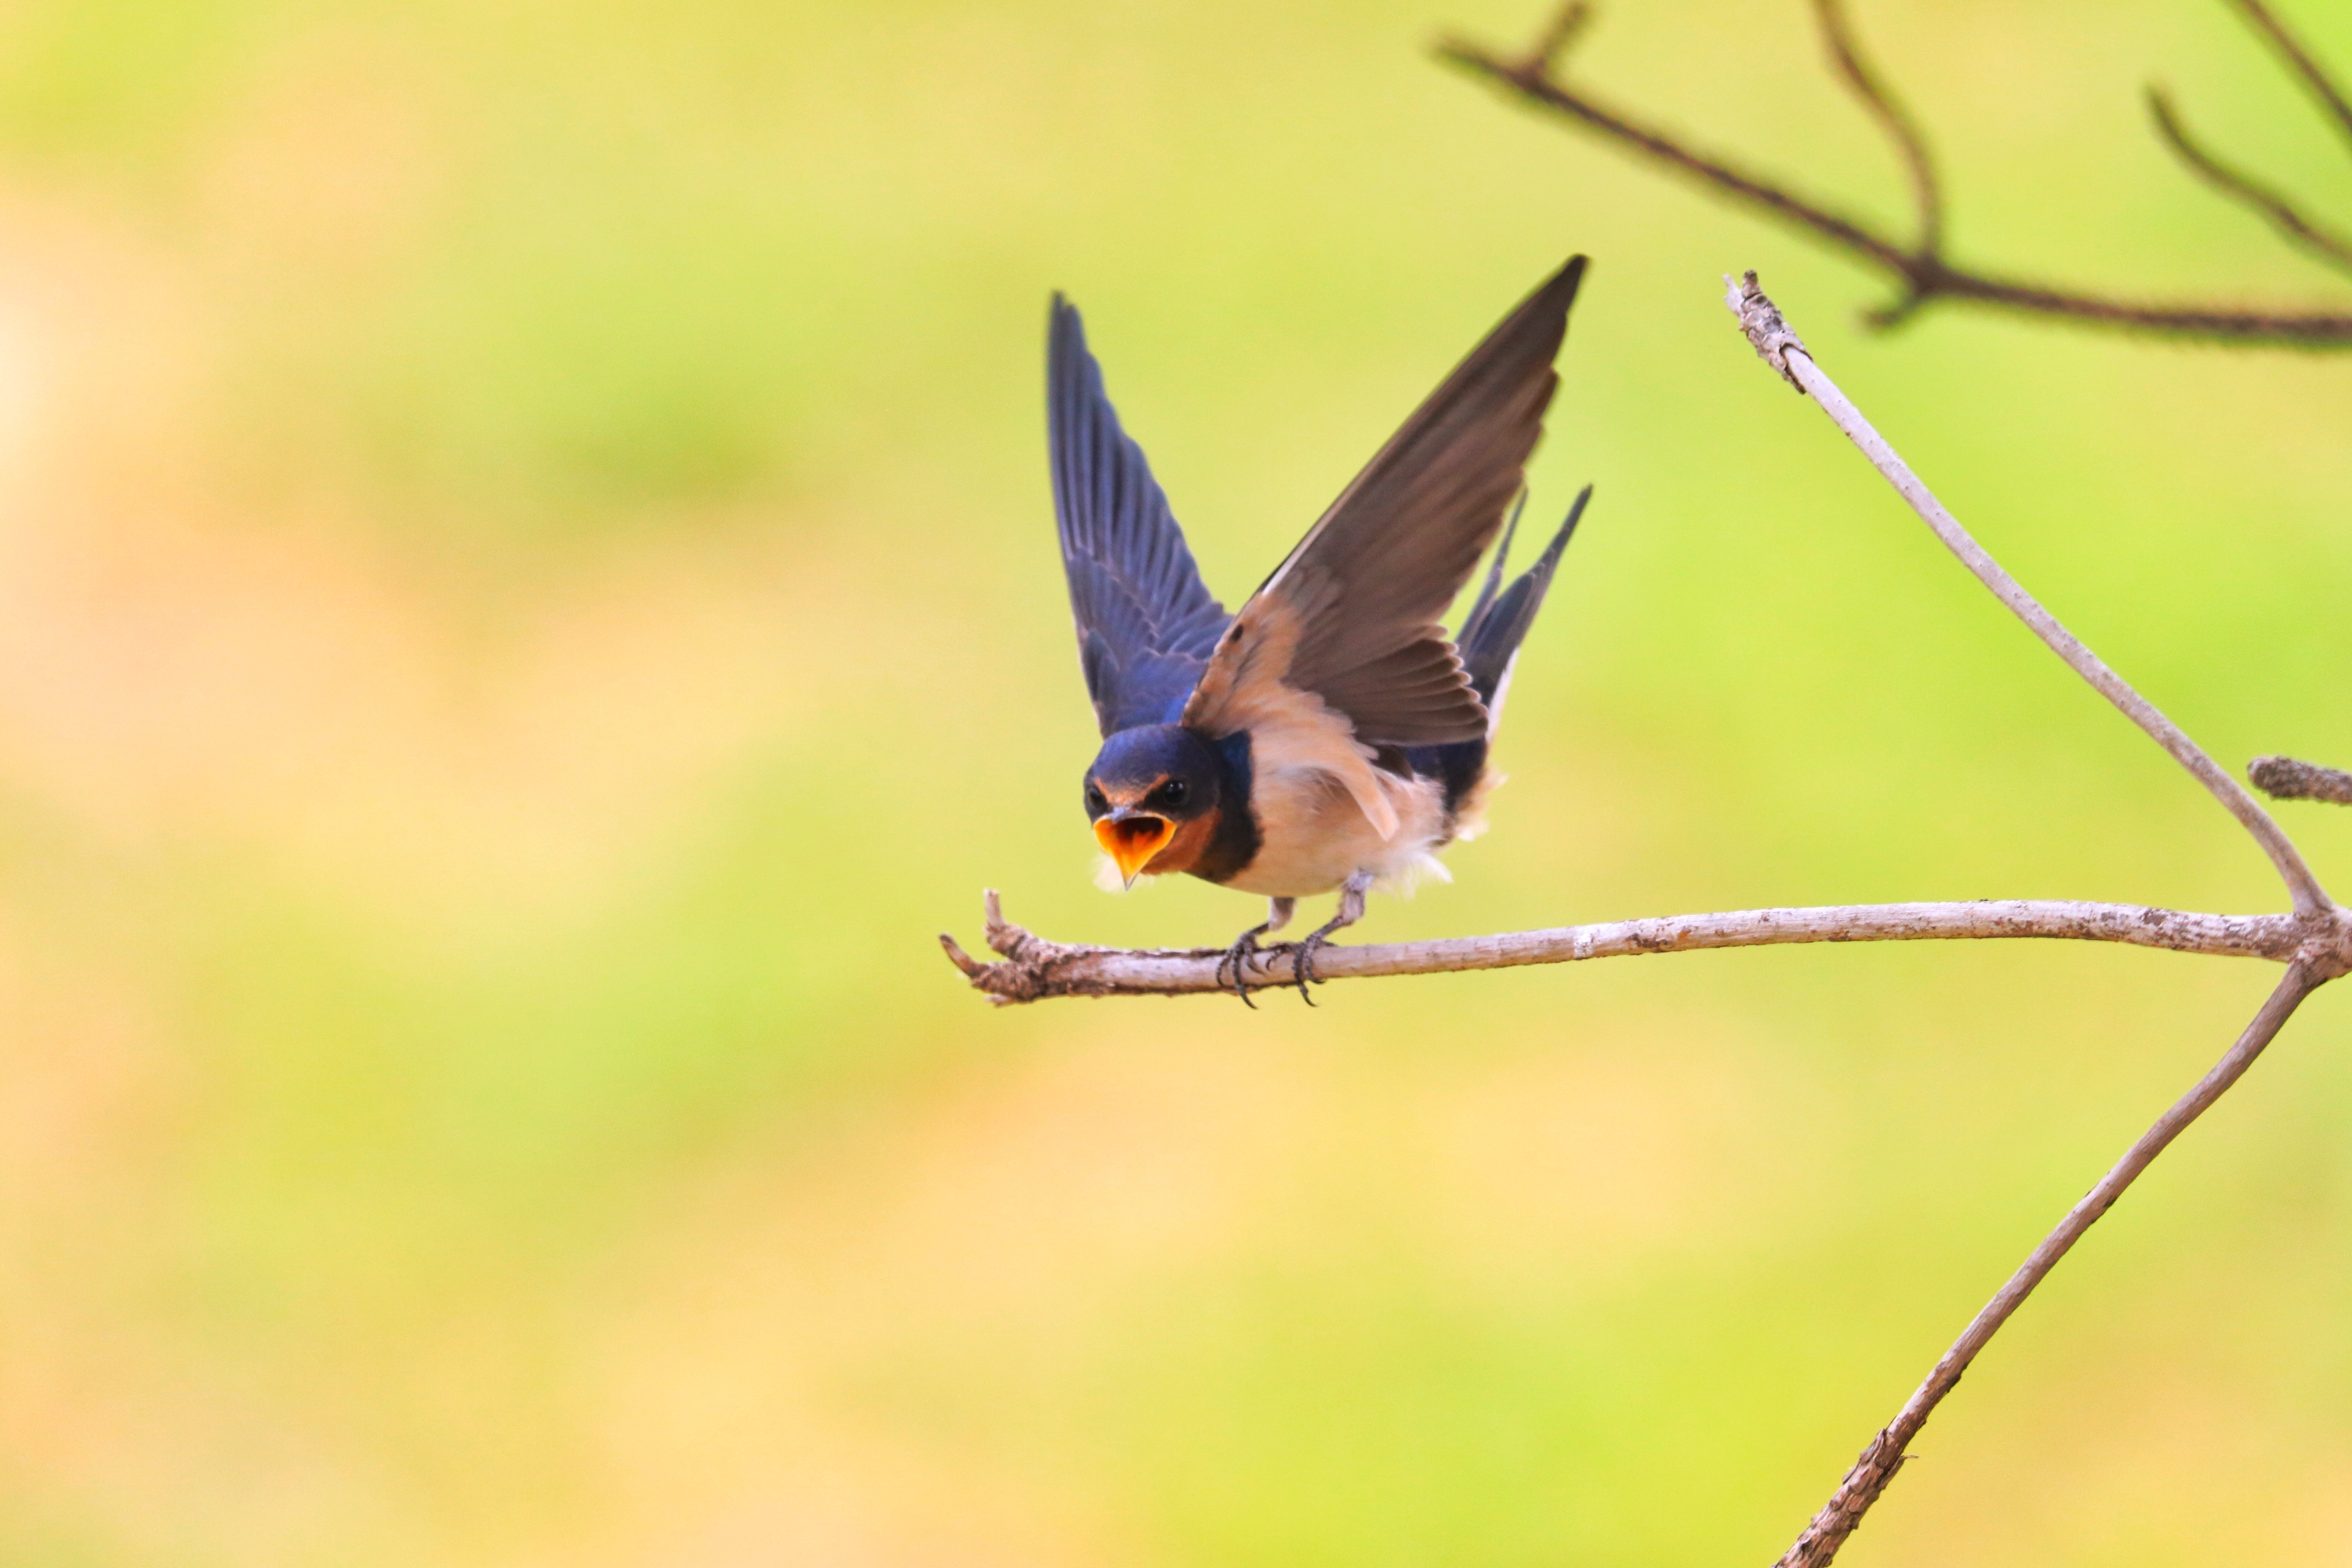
(1132, 841)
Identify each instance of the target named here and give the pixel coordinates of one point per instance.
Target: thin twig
(1846, 52)
(1532, 79)
(2244, 189)
(1885, 1453)
(1034, 968)
(2285, 778)
(1922, 270)
(2331, 97)
(1747, 300)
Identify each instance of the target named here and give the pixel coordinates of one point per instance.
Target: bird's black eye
(1173, 792)
(1096, 804)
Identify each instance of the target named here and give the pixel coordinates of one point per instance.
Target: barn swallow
(1329, 735)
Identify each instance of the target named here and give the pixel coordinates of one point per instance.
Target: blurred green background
(527, 597)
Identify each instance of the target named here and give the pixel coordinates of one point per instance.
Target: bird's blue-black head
(1163, 798)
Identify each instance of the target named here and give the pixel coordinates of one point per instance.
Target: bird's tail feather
(1499, 617)
(1488, 642)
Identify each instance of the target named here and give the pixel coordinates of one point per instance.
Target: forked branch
(1778, 347)
(1883, 1455)
(1919, 267)
(1033, 969)
(2315, 942)
(2282, 215)
(2326, 955)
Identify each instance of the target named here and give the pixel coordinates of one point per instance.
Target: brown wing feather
(1359, 599)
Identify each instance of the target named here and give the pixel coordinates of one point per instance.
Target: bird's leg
(1350, 911)
(1278, 915)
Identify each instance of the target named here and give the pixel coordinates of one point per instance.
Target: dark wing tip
(1066, 332)
(1558, 291)
(1550, 304)
(1552, 301)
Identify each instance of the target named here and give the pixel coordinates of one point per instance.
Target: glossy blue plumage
(1147, 625)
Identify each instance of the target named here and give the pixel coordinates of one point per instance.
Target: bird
(1329, 735)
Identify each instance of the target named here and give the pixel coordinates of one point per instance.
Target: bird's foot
(1245, 947)
(1237, 959)
(1302, 964)
(1350, 911)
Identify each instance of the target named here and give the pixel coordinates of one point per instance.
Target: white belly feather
(1313, 835)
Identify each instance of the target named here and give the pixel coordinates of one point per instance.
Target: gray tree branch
(2325, 953)
(1778, 345)
(2285, 778)
(1885, 1453)
(2315, 942)
(1033, 969)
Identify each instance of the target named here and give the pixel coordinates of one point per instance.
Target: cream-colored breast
(1312, 835)
(1324, 811)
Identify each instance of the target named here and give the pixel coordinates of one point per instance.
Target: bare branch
(2285, 778)
(1756, 313)
(2326, 955)
(1532, 78)
(1921, 269)
(1034, 968)
(2331, 97)
(1885, 1453)
(2243, 189)
(1926, 195)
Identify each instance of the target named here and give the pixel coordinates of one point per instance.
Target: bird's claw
(1350, 911)
(1237, 959)
(1302, 964)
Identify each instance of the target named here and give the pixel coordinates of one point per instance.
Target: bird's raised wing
(1350, 617)
(1146, 624)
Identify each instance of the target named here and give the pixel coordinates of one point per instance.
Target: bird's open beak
(1131, 838)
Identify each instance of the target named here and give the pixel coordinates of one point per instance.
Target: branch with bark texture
(2313, 941)
(1885, 1452)
(1033, 969)
(1919, 267)
(2324, 954)
(2285, 778)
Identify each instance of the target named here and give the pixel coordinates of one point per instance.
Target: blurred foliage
(527, 596)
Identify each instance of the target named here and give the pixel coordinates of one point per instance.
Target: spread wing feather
(1146, 623)
(1352, 616)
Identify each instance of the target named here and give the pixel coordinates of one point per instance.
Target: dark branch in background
(2285, 778)
(2241, 187)
(1920, 267)
(2331, 97)
(1926, 195)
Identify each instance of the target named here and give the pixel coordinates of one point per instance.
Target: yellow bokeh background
(528, 596)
